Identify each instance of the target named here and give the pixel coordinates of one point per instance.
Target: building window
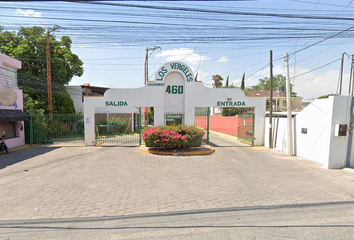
(9, 128)
(9, 76)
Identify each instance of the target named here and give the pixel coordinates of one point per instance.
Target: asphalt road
(238, 192)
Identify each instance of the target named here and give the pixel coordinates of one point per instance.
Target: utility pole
(271, 101)
(288, 106)
(146, 77)
(341, 75)
(146, 62)
(350, 91)
(49, 70)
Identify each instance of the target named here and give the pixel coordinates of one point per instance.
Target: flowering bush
(57, 128)
(176, 136)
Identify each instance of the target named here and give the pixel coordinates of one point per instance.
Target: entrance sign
(230, 104)
(174, 95)
(116, 103)
(169, 67)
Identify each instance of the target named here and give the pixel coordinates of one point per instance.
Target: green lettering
(243, 104)
(168, 89)
(107, 103)
(222, 103)
(218, 103)
(125, 103)
(179, 66)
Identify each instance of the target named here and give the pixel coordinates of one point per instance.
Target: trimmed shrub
(175, 136)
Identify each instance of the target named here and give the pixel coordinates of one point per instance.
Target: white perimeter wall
(319, 143)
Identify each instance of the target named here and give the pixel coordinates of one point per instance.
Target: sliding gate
(202, 121)
(117, 129)
(246, 128)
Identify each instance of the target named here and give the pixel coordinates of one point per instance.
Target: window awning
(13, 116)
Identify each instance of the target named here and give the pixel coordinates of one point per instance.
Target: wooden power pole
(49, 70)
(146, 77)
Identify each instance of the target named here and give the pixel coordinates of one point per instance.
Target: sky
(228, 38)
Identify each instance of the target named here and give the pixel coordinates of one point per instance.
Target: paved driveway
(77, 182)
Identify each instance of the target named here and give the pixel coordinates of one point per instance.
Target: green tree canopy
(217, 80)
(29, 45)
(264, 84)
(326, 96)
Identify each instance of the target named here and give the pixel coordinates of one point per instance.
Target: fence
(55, 128)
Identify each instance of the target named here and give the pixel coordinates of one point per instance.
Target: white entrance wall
(314, 132)
(175, 87)
(174, 103)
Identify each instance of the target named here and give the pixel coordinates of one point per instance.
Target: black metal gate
(117, 129)
(201, 120)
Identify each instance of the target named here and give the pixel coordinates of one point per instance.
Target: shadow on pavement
(22, 155)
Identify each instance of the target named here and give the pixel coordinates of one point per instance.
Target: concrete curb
(18, 148)
(208, 150)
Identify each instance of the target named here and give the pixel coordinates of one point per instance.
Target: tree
(264, 84)
(243, 82)
(29, 46)
(233, 111)
(326, 96)
(227, 84)
(217, 78)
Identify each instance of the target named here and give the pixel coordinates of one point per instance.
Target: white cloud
(236, 83)
(186, 55)
(29, 13)
(223, 59)
(37, 14)
(203, 76)
(312, 85)
(87, 46)
(266, 72)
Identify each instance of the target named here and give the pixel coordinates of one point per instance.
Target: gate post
(31, 130)
(253, 129)
(208, 126)
(140, 126)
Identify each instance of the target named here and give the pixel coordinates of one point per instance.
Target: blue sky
(213, 37)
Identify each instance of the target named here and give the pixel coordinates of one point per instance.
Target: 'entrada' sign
(230, 104)
(174, 67)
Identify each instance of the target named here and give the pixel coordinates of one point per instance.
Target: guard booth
(174, 94)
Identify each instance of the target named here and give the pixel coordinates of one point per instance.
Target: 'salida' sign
(116, 103)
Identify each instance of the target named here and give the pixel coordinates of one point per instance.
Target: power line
(316, 68)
